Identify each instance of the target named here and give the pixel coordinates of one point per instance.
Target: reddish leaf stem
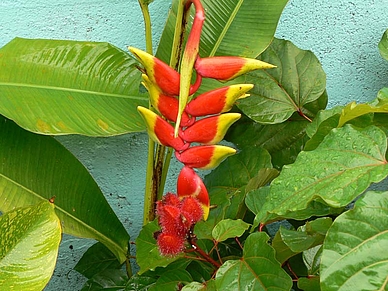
(192, 241)
(292, 271)
(304, 115)
(238, 242)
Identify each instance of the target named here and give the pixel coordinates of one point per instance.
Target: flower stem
(180, 26)
(192, 240)
(147, 23)
(150, 194)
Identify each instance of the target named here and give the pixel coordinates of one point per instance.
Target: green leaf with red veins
(360, 260)
(353, 158)
(257, 269)
(278, 93)
(229, 228)
(283, 141)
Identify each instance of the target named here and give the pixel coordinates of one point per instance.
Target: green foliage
(297, 81)
(257, 269)
(229, 228)
(98, 258)
(36, 168)
(148, 256)
(224, 20)
(71, 87)
(289, 211)
(29, 242)
(383, 45)
(362, 232)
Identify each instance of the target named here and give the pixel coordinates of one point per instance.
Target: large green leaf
(354, 110)
(360, 115)
(229, 228)
(232, 27)
(29, 242)
(288, 243)
(337, 171)
(383, 45)
(355, 253)
(64, 87)
(256, 270)
(237, 170)
(171, 280)
(96, 259)
(226, 186)
(109, 280)
(280, 92)
(35, 168)
(283, 141)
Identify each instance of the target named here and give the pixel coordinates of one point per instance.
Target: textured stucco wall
(343, 34)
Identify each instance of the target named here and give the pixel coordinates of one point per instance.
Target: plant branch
(180, 27)
(149, 195)
(147, 23)
(192, 241)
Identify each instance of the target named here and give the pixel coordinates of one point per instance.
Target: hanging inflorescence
(177, 214)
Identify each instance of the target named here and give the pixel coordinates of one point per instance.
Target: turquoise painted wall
(343, 34)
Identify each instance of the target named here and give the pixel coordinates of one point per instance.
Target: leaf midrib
(85, 92)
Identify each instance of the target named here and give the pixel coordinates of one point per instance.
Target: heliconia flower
(166, 105)
(170, 244)
(217, 101)
(189, 57)
(191, 210)
(204, 157)
(189, 184)
(210, 130)
(161, 131)
(226, 68)
(165, 77)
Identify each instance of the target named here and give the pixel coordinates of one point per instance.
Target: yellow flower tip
(206, 210)
(254, 64)
(139, 54)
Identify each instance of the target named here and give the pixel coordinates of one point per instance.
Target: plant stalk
(149, 195)
(158, 161)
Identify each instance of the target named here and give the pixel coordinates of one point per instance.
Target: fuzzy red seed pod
(170, 219)
(191, 209)
(170, 244)
(171, 199)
